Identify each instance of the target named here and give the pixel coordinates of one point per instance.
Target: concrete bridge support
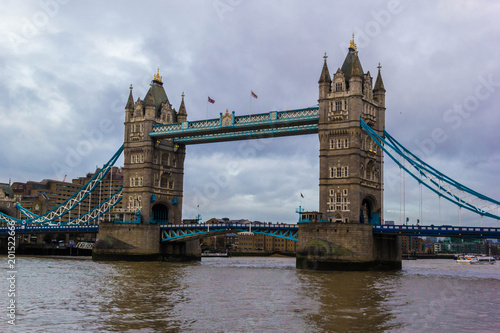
(140, 242)
(346, 247)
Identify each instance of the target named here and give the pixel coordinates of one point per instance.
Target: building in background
(246, 241)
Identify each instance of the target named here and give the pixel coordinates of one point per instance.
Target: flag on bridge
(301, 195)
(211, 100)
(253, 94)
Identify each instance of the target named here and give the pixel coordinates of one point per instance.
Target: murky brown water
(249, 295)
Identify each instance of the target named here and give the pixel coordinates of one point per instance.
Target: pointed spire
(150, 100)
(182, 114)
(357, 70)
(325, 74)
(130, 102)
(379, 84)
(182, 108)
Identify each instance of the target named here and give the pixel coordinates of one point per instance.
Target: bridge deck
(287, 231)
(55, 228)
(173, 232)
(230, 127)
(437, 231)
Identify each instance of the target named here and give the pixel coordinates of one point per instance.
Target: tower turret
(325, 81)
(182, 115)
(379, 89)
(149, 104)
(129, 108)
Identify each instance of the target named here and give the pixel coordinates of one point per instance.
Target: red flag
(211, 100)
(253, 94)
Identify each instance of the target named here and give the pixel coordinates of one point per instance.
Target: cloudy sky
(66, 67)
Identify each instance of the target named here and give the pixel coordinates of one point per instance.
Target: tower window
(338, 106)
(338, 86)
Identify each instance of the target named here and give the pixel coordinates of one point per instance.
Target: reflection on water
(250, 295)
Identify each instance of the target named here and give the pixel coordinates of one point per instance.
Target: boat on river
(472, 259)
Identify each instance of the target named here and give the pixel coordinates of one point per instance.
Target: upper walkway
(229, 127)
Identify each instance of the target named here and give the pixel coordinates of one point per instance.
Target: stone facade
(153, 169)
(350, 179)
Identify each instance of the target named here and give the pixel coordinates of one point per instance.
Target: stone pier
(346, 247)
(140, 242)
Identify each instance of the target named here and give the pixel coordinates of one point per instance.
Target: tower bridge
(345, 233)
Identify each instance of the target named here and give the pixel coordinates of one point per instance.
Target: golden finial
(227, 110)
(157, 76)
(352, 45)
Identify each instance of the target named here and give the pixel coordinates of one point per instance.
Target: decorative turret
(129, 108)
(149, 104)
(379, 89)
(325, 81)
(182, 114)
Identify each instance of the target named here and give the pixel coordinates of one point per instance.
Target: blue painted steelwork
(180, 231)
(434, 180)
(274, 123)
(54, 228)
(435, 231)
(72, 202)
(173, 232)
(250, 134)
(26, 212)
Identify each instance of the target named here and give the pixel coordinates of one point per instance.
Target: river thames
(249, 294)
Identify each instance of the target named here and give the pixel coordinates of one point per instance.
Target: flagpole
(250, 102)
(206, 116)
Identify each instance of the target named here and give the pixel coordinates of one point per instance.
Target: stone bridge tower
(350, 179)
(153, 169)
(152, 185)
(350, 183)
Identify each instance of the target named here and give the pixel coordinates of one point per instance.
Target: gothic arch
(369, 210)
(160, 213)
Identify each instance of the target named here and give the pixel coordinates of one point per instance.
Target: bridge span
(175, 232)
